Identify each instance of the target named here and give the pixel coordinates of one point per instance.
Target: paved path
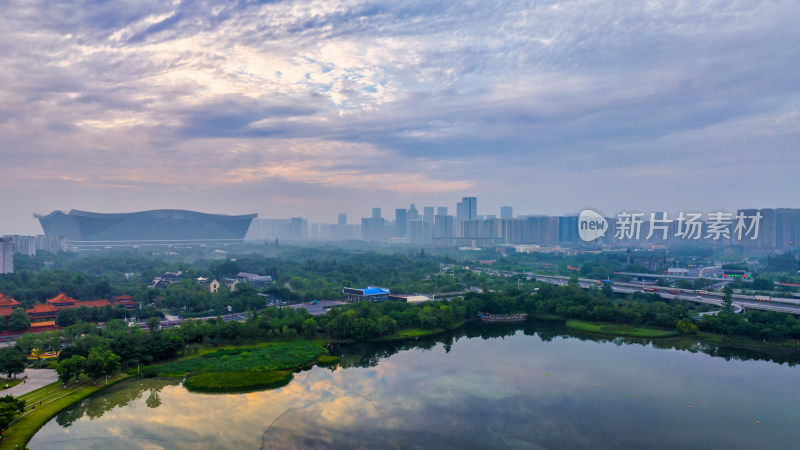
(36, 379)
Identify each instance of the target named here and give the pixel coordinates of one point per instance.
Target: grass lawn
(10, 382)
(54, 398)
(619, 330)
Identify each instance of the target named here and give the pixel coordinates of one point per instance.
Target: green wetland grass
(225, 382)
(619, 330)
(241, 369)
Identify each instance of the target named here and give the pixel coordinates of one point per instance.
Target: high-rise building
(419, 232)
(461, 216)
(568, 229)
(376, 213)
(6, 255)
(413, 214)
(373, 229)
(470, 207)
(443, 227)
(427, 215)
(299, 228)
(25, 245)
(400, 222)
(467, 209)
(441, 210)
(342, 219)
(506, 212)
(51, 243)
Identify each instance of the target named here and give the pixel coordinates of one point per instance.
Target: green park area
(44, 403)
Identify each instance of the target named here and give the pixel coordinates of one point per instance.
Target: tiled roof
(42, 308)
(61, 298)
(6, 301)
(93, 303)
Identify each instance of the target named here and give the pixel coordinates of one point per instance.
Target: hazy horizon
(294, 109)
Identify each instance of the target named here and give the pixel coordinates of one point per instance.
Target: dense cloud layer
(310, 108)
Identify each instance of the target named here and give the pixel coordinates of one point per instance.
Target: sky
(310, 108)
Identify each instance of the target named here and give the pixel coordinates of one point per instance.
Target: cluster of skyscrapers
(775, 229)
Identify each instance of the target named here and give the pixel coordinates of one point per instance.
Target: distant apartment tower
(376, 213)
(441, 210)
(443, 226)
(506, 212)
(373, 229)
(24, 245)
(6, 255)
(299, 228)
(342, 219)
(568, 229)
(400, 222)
(466, 210)
(51, 243)
(427, 215)
(419, 232)
(413, 214)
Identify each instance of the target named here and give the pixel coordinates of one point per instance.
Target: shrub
(237, 381)
(327, 360)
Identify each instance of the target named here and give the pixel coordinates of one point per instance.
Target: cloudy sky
(310, 108)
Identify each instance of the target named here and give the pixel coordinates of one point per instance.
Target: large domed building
(159, 227)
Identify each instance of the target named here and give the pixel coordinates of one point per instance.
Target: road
(782, 305)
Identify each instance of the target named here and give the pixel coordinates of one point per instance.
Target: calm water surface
(487, 386)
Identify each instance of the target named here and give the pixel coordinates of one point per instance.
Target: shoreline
(23, 428)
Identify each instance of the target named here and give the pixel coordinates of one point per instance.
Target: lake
(531, 386)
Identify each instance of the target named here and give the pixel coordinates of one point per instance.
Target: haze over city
(295, 109)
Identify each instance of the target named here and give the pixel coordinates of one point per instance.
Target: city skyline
(288, 109)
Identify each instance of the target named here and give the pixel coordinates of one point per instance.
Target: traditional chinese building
(125, 301)
(42, 312)
(7, 305)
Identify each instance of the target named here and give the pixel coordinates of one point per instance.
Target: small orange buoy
(757, 422)
(690, 406)
(637, 395)
(595, 385)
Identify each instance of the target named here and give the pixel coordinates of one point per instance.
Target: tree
(19, 320)
(727, 299)
(10, 407)
(12, 361)
(26, 343)
(111, 362)
(94, 366)
(310, 327)
(64, 369)
(153, 324)
(69, 368)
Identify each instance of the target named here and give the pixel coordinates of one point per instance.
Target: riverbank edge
(708, 338)
(22, 430)
(610, 329)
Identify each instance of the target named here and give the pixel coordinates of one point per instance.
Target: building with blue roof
(370, 294)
